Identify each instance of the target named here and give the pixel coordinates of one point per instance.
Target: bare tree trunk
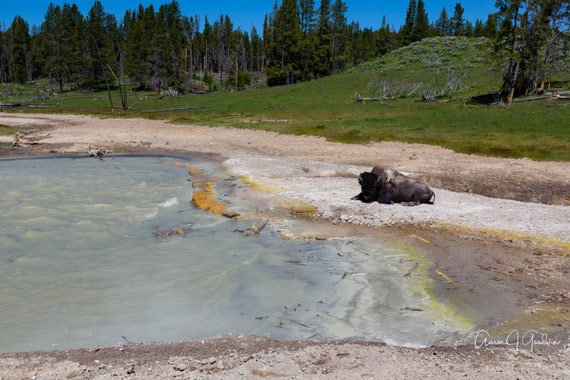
(109, 94)
(237, 72)
(122, 90)
(513, 80)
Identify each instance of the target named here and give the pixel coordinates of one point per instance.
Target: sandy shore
(498, 226)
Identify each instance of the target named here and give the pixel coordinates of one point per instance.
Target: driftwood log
(176, 109)
(362, 100)
(3, 106)
(20, 140)
(550, 96)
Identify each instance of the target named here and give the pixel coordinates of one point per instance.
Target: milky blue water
(81, 265)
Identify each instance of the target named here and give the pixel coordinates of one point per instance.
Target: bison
(390, 186)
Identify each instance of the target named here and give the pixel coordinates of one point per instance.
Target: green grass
(6, 130)
(327, 107)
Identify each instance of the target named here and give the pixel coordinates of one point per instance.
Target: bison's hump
(386, 174)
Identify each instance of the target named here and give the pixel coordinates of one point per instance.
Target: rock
(180, 367)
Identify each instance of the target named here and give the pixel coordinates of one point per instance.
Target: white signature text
(515, 340)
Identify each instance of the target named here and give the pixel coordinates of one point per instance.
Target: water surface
(86, 260)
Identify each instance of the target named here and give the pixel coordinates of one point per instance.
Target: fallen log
(362, 100)
(549, 96)
(3, 106)
(12, 105)
(176, 109)
(20, 140)
(427, 98)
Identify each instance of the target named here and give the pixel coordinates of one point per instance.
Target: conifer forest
(301, 40)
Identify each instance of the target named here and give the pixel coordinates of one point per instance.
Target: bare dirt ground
(499, 233)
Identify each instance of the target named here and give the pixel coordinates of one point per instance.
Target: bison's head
(369, 182)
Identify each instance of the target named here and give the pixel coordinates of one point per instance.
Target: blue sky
(245, 14)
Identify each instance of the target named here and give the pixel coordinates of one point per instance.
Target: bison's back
(386, 174)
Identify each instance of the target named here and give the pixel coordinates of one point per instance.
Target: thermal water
(101, 251)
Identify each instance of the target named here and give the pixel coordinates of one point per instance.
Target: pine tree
(385, 41)
(468, 29)
(443, 24)
(309, 42)
(457, 21)
(224, 45)
(19, 41)
(257, 57)
(139, 26)
(491, 27)
(307, 16)
(283, 63)
(73, 53)
(322, 58)
(169, 40)
(100, 28)
(60, 51)
(478, 29)
(196, 51)
(52, 54)
(268, 41)
(407, 30)
(339, 36)
(3, 57)
(421, 23)
(416, 26)
(206, 47)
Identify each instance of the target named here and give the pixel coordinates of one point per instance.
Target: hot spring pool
(85, 260)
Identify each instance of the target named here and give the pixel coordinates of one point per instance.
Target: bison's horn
(360, 179)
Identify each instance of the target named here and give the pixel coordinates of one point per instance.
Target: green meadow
(448, 73)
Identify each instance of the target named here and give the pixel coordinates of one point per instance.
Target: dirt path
(499, 230)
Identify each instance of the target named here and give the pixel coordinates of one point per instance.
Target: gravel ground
(329, 187)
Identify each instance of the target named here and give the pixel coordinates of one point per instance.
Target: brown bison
(390, 186)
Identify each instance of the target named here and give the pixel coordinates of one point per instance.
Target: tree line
(162, 48)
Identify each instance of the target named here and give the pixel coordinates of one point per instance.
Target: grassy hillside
(450, 69)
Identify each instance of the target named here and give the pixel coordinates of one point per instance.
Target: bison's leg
(423, 195)
(357, 197)
(385, 197)
(418, 197)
